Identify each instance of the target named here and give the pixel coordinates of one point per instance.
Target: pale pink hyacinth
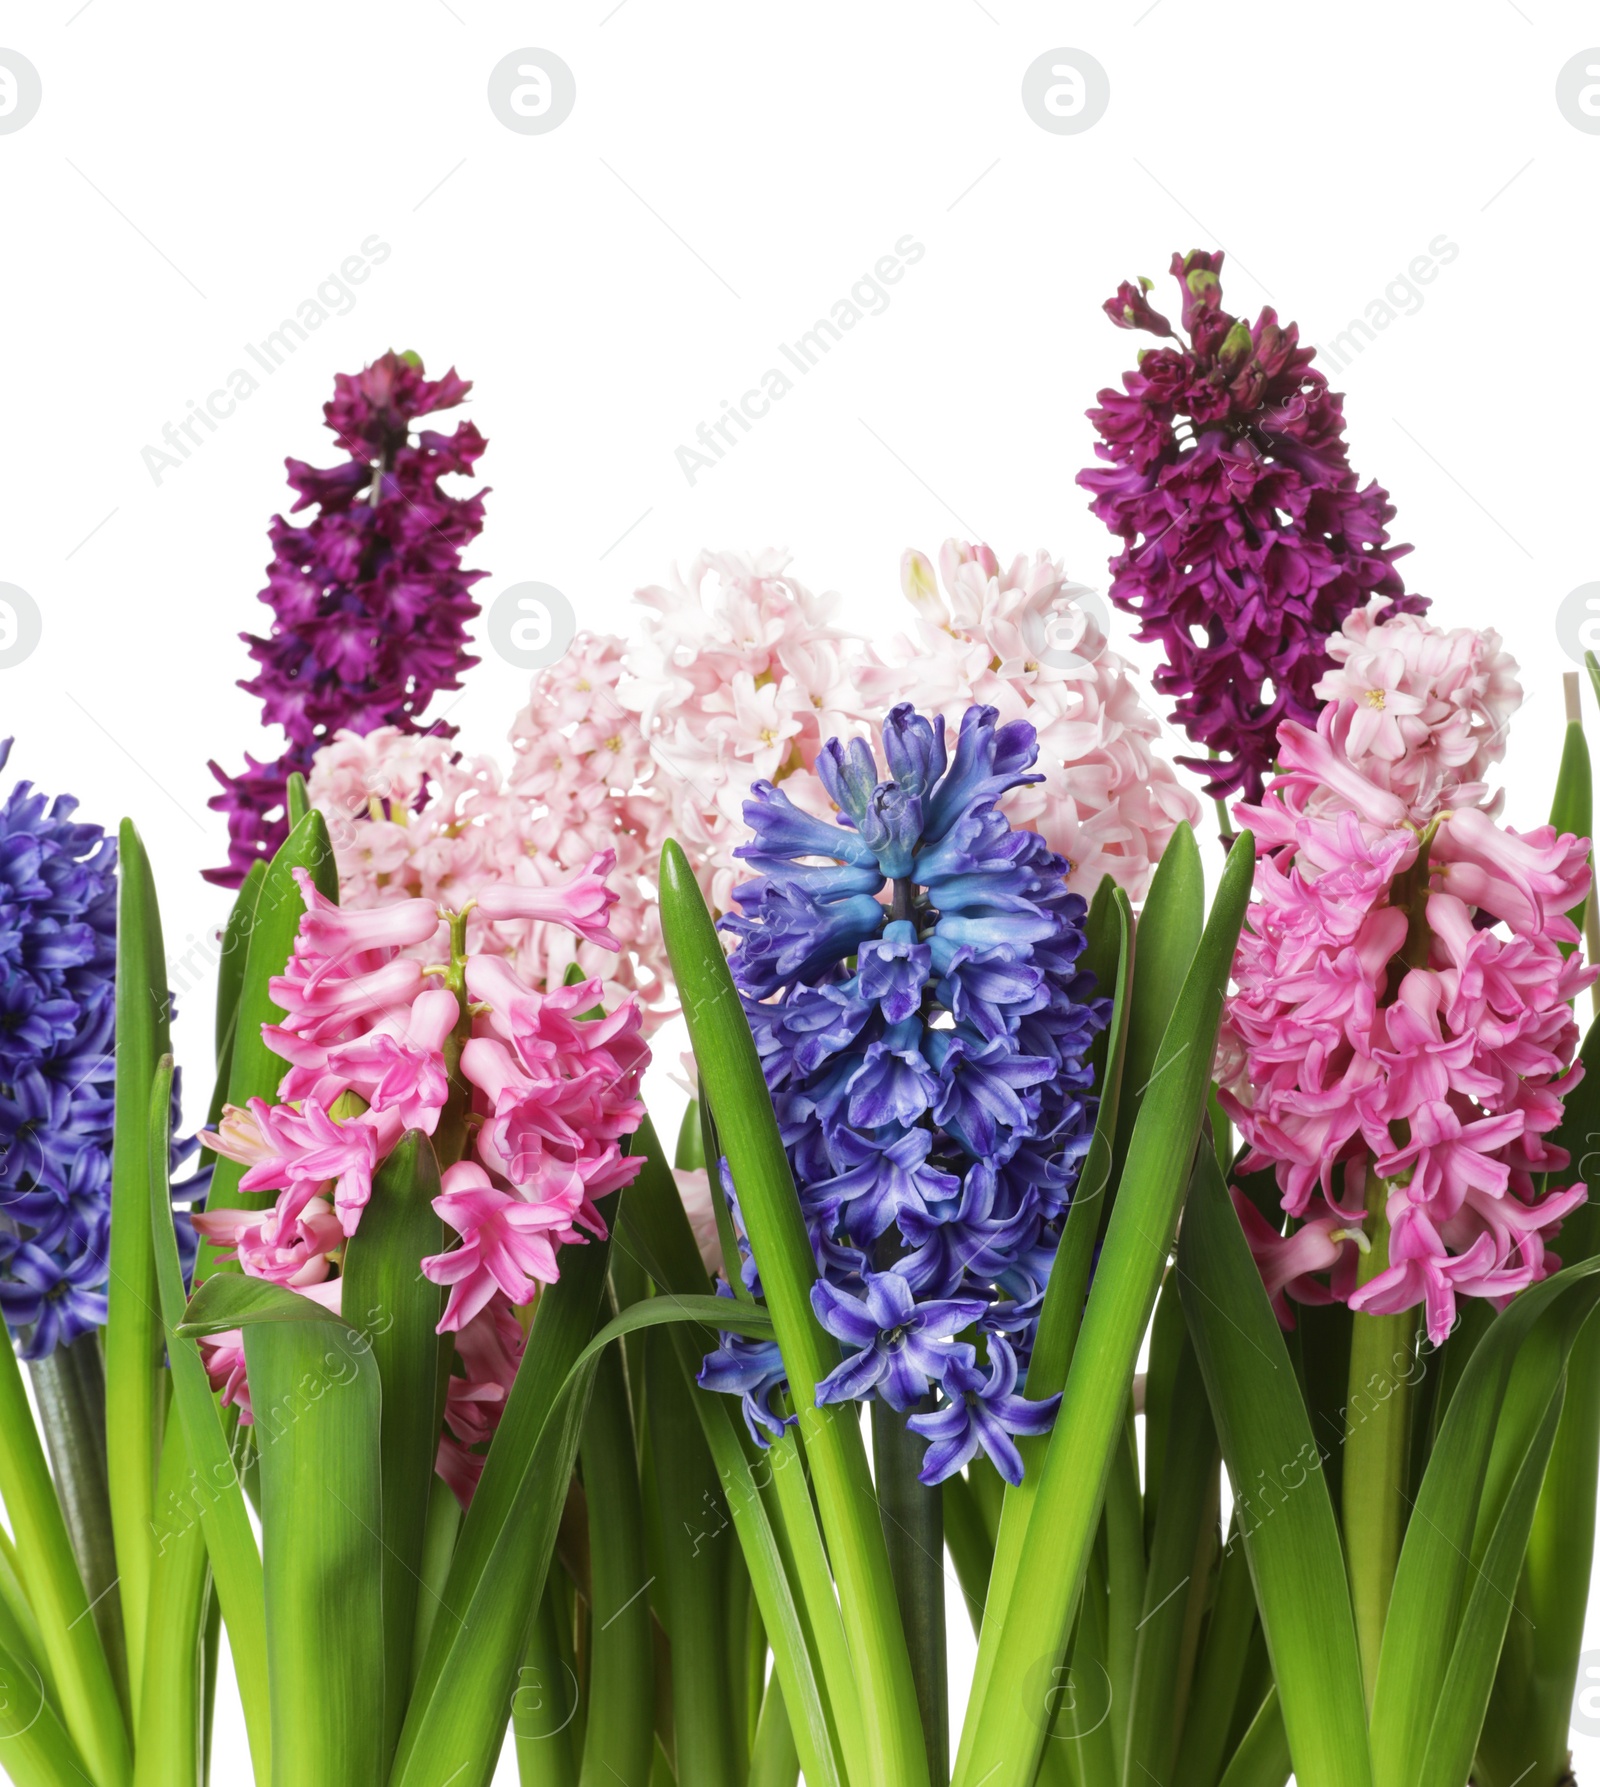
(1402, 1025)
(546, 1083)
(741, 675)
(410, 817)
(1019, 638)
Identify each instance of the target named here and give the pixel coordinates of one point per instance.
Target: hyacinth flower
(740, 676)
(369, 597)
(1021, 639)
(1399, 1047)
(1247, 539)
(923, 1028)
(411, 817)
(529, 1095)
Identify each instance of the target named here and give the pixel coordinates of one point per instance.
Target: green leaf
(1571, 810)
(296, 800)
(166, 1754)
(774, 1519)
(1109, 956)
(1470, 1477)
(731, 1080)
(212, 1493)
(1000, 1743)
(231, 962)
(253, 1070)
(386, 1296)
(462, 1697)
(316, 1399)
(222, 1304)
(1282, 1510)
(620, 1728)
(133, 1327)
(35, 1751)
(1169, 933)
(1219, 1672)
(1181, 1547)
(1262, 1758)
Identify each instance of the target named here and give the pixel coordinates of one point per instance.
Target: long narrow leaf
(253, 1070)
(35, 1750)
(1283, 1513)
(997, 1746)
(389, 1300)
(212, 1492)
(133, 1327)
(732, 1081)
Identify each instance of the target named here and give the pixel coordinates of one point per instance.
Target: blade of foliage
(1262, 1758)
(998, 1748)
(461, 1700)
(695, 1555)
(1462, 1496)
(253, 1070)
(35, 1750)
(316, 1397)
(168, 1750)
(230, 981)
(620, 1734)
(731, 1080)
(1282, 1508)
(1183, 1528)
(399, 1310)
(212, 1491)
(1108, 954)
(1458, 1718)
(1219, 1672)
(133, 1327)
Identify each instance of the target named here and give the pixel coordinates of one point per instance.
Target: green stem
(542, 1708)
(913, 1530)
(1377, 1459)
(774, 1760)
(69, 1387)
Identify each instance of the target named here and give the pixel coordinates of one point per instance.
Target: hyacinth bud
(921, 587)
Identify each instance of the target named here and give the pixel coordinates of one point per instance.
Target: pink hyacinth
(411, 817)
(380, 1041)
(1020, 639)
(741, 675)
(1401, 1036)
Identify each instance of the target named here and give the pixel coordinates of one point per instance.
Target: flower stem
(1377, 1449)
(913, 1529)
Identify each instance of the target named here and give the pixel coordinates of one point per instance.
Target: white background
(727, 173)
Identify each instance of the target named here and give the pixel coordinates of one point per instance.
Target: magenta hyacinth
(1247, 538)
(370, 600)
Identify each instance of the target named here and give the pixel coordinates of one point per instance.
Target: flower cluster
(58, 950)
(410, 817)
(736, 681)
(1401, 1038)
(926, 1055)
(1021, 640)
(543, 1086)
(369, 598)
(1247, 539)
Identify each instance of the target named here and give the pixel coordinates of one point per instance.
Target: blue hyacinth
(910, 976)
(58, 927)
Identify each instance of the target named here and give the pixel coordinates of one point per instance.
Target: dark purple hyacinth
(1247, 538)
(369, 598)
(911, 978)
(58, 953)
